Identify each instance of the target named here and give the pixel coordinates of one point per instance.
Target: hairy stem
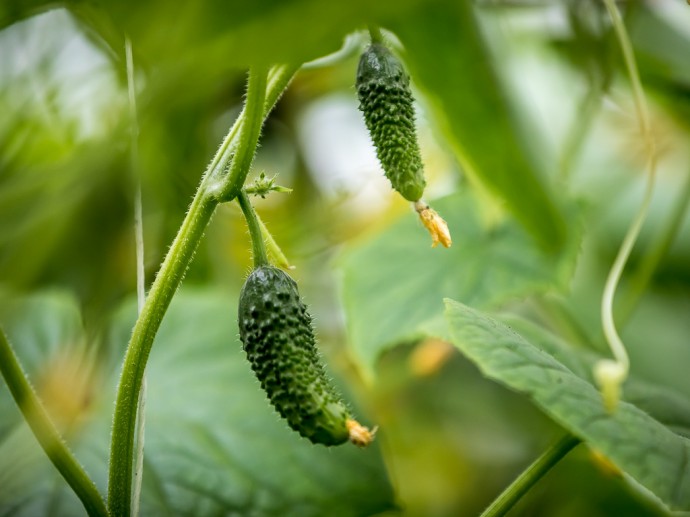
(529, 477)
(258, 246)
(169, 277)
(248, 137)
(141, 277)
(278, 79)
(46, 433)
(165, 285)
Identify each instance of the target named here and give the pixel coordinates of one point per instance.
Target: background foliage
(532, 155)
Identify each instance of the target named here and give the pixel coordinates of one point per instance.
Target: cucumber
(383, 88)
(278, 338)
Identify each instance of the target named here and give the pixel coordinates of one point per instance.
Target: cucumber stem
(375, 34)
(258, 246)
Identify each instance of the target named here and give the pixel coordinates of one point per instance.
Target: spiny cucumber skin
(278, 338)
(383, 88)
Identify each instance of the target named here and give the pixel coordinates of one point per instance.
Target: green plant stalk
(643, 274)
(252, 120)
(258, 246)
(168, 279)
(529, 477)
(610, 375)
(171, 273)
(278, 78)
(46, 433)
(141, 276)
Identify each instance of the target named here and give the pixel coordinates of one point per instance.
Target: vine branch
(141, 275)
(258, 246)
(46, 433)
(529, 477)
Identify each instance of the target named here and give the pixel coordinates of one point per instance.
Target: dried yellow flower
(359, 435)
(434, 223)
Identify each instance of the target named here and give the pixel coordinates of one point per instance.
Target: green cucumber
(278, 338)
(383, 88)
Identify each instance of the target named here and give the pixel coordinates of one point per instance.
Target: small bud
(610, 375)
(263, 185)
(434, 223)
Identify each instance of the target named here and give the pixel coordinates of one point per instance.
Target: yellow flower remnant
(359, 435)
(434, 223)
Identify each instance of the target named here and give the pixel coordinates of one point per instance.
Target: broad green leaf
(214, 445)
(665, 405)
(232, 33)
(450, 62)
(638, 444)
(394, 284)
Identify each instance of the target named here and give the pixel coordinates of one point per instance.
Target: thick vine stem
(529, 477)
(258, 246)
(46, 433)
(248, 138)
(170, 276)
(279, 76)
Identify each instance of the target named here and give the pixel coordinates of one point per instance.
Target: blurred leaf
(449, 60)
(214, 445)
(635, 442)
(232, 33)
(393, 285)
(660, 48)
(589, 45)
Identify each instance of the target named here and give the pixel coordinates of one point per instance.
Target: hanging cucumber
(278, 338)
(383, 88)
(385, 97)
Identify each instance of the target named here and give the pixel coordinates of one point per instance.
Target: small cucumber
(277, 335)
(383, 88)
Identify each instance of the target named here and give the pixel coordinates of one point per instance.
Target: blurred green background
(532, 153)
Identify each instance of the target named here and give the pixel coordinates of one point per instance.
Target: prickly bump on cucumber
(277, 334)
(383, 88)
